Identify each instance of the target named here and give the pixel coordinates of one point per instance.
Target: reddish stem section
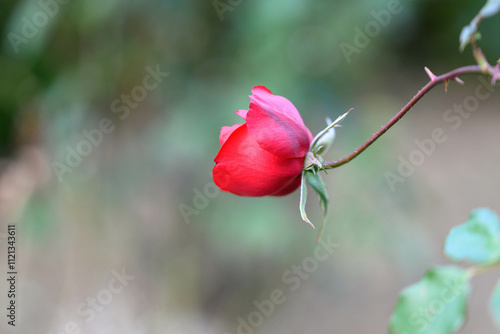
(435, 80)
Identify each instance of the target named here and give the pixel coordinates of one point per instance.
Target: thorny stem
(435, 80)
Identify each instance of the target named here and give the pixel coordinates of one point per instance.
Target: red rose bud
(265, 155)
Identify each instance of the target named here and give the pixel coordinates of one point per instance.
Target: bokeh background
(119, 211)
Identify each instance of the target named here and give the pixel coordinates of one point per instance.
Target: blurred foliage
(121, 203)
(87, 53)
(495, 304)
(478, 240)
(438, 303)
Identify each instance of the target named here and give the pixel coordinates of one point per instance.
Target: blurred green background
(68, 66)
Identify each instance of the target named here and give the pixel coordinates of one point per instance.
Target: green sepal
(313, 164)
(314, 179)
(314, 144)
(324, 140)
(303, 199)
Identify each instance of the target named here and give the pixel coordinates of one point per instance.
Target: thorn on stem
(446, 84)
(494, 78)
(495, 75)
(430, 74)
(457, 79)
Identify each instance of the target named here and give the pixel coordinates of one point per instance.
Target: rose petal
(226, 131)
(244, 168)
(294, 184)
(278, 104)
(242, 113)
(276, 124)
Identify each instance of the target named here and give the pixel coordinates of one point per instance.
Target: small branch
(445, 78)
(478, 270)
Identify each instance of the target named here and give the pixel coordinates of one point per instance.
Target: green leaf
(477, 240)
(319, 187)
(435, 305)
(495, 304)
(303, 199)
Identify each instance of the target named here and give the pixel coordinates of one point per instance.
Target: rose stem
(452, 75)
